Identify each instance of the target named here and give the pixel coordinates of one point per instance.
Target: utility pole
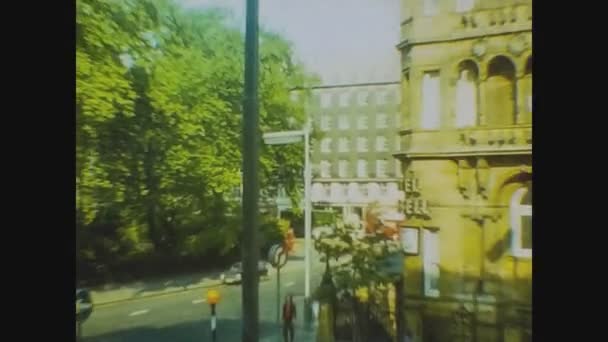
(251, 191)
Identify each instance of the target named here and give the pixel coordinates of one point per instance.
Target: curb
(152, 295)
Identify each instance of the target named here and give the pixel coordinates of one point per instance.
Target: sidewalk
(302, 332)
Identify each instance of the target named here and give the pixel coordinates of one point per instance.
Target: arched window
(466, 94)
(521, 222)
(500, 92)
(527, 91)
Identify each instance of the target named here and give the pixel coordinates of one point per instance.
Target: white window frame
(325, 167)
(362, 96)
(325, 123)
(381, 145)
(362, 122)
(362, 144)
(430, 113)
(343, 123)
(381, 97)
(398, 171)
(326, 100)
(430, 7)
(343, 145)
(430, 250)
(517, 211)
(381, 168)
(344, 97)
(381, 120)
(464, 5)
(343, 168)
(326, 145)
(362, 168)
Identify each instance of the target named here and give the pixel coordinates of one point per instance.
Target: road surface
(185, 316)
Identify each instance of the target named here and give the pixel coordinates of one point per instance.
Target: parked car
(84, 309)
(235, 273)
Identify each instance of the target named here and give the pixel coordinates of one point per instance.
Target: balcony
(515, 16)
(506, 140)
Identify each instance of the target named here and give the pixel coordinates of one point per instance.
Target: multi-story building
(353, 163)
(466, 152)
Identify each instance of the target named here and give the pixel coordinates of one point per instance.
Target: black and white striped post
(213, 297)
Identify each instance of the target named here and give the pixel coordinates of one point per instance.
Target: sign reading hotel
(414, 205)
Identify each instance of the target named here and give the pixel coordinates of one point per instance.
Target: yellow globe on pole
(213, 296)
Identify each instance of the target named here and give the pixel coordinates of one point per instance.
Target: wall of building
(468, 174)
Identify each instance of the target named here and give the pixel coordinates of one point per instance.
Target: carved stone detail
(466, 178)
(483, 177)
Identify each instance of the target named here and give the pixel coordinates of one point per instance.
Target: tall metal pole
(250, 251)
(308, 210)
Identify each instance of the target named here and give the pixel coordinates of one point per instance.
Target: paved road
(185, 316)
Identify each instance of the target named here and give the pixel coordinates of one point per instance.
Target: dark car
(235, 273)
(84, 309)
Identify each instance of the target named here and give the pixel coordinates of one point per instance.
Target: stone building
(466, 153)
(353, 163)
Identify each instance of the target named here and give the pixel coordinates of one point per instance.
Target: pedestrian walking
(289, 313)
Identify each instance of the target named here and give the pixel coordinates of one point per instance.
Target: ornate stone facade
(467, 138)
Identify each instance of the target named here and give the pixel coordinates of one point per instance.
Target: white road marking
(140, 312)
(291, 283)
(198, 301)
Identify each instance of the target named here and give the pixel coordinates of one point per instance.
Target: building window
(373, 191)
(317, 192)
(431, 7)
(343, 168)
(336, 192)
(500, 92)
(362, 98)
(353, 192)
(521, 222)
(464, 5)
(325, 123)
(343, 145)
(466, 95)
(362, 122)
(361, 168)
(325, 100)
(380, 143)
(380, 168)
(398, 172)
(381, 97)
(430, 100)
(326, 145)
(344, 97)
(325, 169)
(361, 144)
(381, 120)
(526, 84)
(430, 250)
(343, 122)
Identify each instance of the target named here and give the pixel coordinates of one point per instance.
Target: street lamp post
(290, 137)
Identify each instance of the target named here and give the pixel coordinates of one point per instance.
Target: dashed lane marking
(140, 312)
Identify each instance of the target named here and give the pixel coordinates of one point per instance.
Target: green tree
(159, 97)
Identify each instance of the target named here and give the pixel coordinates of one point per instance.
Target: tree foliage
(158, 112)
(357, 254)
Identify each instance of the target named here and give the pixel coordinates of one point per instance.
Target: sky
(343, 41)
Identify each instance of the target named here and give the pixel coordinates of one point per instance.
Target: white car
(235, 273)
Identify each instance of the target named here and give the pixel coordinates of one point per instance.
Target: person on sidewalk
(289, 313)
